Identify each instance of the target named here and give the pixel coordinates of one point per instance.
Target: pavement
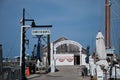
(64, 73)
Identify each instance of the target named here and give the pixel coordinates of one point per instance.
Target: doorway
(76, 60)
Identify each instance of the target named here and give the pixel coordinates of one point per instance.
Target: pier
(63, 73)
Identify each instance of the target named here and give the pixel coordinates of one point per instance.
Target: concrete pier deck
(64, 73)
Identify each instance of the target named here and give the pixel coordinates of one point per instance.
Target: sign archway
(68, 42)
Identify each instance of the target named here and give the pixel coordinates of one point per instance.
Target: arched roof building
(63, 47)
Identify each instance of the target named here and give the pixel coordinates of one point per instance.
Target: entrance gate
(70, 42)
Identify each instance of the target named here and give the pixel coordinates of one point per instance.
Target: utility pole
(23, 77)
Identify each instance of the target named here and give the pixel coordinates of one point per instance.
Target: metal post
(48, 48)
(48, 42)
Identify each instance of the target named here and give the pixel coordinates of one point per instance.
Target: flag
(21, 20)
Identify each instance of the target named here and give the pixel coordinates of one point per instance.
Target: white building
(67, 52)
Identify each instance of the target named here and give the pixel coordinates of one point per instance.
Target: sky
(78, 20)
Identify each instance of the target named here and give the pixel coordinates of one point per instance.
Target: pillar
(80, 49)
(52, 62)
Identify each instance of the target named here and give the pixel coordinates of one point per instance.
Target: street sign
(40, 32)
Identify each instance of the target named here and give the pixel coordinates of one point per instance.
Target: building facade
(68, 52)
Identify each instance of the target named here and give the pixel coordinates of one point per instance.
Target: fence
(10, 73)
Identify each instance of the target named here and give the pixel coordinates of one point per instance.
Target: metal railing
(10, 73)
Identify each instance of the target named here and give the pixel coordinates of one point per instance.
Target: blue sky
(78, 20)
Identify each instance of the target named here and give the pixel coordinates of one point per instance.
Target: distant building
(67, 52)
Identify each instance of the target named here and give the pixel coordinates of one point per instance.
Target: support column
(80, 55)
(54, 55)
(52, 63)
(48, 43)
(68, 50)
